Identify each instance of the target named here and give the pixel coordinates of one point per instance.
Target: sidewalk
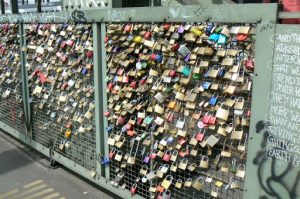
(25, 174)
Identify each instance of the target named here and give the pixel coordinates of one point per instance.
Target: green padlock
(196, 76)
(169, 90)
(233, 167)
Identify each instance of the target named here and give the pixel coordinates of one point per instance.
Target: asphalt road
(26, 174)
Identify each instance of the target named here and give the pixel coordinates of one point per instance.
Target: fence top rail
(227, 13)
(289, 15)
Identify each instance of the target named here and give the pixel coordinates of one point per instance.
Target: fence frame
(265, 16)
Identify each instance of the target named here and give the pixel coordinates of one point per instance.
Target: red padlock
(133, 84)
(212, 120)
(182, 141)
(125, 78)
(167, 156)
(241, 37)
(128, 28)
(110, 86)
(205, 119)
(143, 80)
(166, 26)
(250, 64)
(63, 45)
(131, 133)
(89, 54)
(175, 47)
(160, 188)
(112, 153)
(200, 136)
(70, 42)
(171, 117)
(172, 73)
(120, 71)
(64, 59)
(248, 113)
(133, 189)
(153, 155)
(106, 39)
(147, 35)
(121, 120)
(139, 121)
(64, 86)
(153, 56)
(106, 113)
(129, 126)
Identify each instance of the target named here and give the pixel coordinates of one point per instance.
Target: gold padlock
(183, 164)
(198, 184)
(178, 184)
(188, 182)
(204, 162)
(167, 181)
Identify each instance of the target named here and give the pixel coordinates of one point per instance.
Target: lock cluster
(11, 98)
(179, 107)
(61, 82)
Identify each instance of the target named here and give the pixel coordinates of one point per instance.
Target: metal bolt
(258, 20)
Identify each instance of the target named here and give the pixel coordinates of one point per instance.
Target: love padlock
(166, 183)
(167, 156)
(133, 189)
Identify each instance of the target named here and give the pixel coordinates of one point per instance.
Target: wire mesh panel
(11, 100)
(179, 106)
(60, 67)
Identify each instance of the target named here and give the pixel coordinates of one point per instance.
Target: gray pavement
(25, 174)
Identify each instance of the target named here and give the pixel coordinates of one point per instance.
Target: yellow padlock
(68, 133)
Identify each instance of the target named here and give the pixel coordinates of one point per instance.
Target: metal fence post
(25, 87)
(100, 94)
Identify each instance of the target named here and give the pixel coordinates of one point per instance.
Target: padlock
(192, 167)
(174, 156)
(214, 192)
(166, 183)
(178, 184)
(119, 156)
(112, 153)
(200, 136)
(212, 140)
(222, 112)
(183, 164)
(241, 171)
(188, 182)
(204, 162)
(144, 170)
(237, 134)
(167, 156)
(133, 189)
(225, 167)
(197, 184)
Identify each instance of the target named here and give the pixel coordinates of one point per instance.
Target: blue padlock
(206, 85)
(214, 37)
(115, 78)
(84, 71)
(222, 72)
(209, 29)
(109, 128)
(170, 140)
(158, 58)
(214, 99)
(222, 39)
(105, 160)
